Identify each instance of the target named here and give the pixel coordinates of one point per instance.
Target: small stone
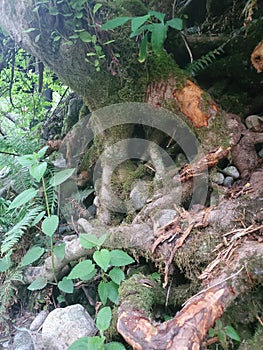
(228, 182)
(214, 199)
(139, 194)
(163, 217)
(218, 178)
(254, 123)
(38, 320)
(231, 171)
(23, 341)
(65, 325)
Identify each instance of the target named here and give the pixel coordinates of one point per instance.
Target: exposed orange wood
(257, 57)
(193, 102)
(195, 105)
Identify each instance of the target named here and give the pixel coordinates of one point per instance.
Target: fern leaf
(16, 232)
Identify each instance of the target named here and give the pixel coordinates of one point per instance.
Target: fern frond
(16, 232)
(204, 61)
(8, 292)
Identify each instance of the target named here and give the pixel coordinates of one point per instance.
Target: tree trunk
(186, 242)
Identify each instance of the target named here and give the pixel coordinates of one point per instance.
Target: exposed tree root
(189, 327)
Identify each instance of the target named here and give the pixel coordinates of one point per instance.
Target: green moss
(162, 66)
(137, 294)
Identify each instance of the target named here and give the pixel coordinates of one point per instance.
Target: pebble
(218, 178)
(254, 123)
(260, 153)
(228, 182)
(231, 171)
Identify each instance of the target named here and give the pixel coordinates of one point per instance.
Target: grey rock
(163, 217)
(254, 123)
(23, 341)
(228, 182)
(38, 320)
(65, 325)
(218, 178)
(139, 194)
(231, 171)
(214, 199)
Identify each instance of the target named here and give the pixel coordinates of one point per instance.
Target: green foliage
(109, 263)
(8, 292)
(204, 61)
(24, 220)
(152, 28)
(222, 332)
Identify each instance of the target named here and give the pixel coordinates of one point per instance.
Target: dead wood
(188, 328)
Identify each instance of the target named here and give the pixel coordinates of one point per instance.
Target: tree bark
(193, 233)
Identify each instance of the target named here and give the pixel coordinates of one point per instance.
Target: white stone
(63, 326)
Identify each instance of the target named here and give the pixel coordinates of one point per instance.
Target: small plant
(109, 263)
(221, 332)
(151, 27)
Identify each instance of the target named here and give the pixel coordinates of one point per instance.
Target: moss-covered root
(138, 293)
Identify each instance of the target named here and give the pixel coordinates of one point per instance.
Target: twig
(214, 285)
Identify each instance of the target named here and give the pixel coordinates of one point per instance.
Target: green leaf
(143, 49)
(104, 318)
(113, 292)
(29, 30)
(159, 32)
(175, 23)
(80, 344)
(89, 54)
(85, 37)
(136, 22)
(61, 177)
(42, 151)
(89, 276)
(232, 333)
(117, 275)
(37, 38)
(96, 8)
(26, 160)
(88, 240)
(57, 38)
(32, 255)
(23, 198)
(114, 23)
(59, 251)
(88, 343)
(222, 339)
(120, 258)
(102, 258)
(102, 239)
(159, 15)
(74, 36)
(66, 285)
(37, 171)
(139, 31)
(82, 269)
(103, 291)
(38, 284)
(211, 332)
(79, 15)
(50, 224)
(38, 218)
(5, 263)
(114, 346)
